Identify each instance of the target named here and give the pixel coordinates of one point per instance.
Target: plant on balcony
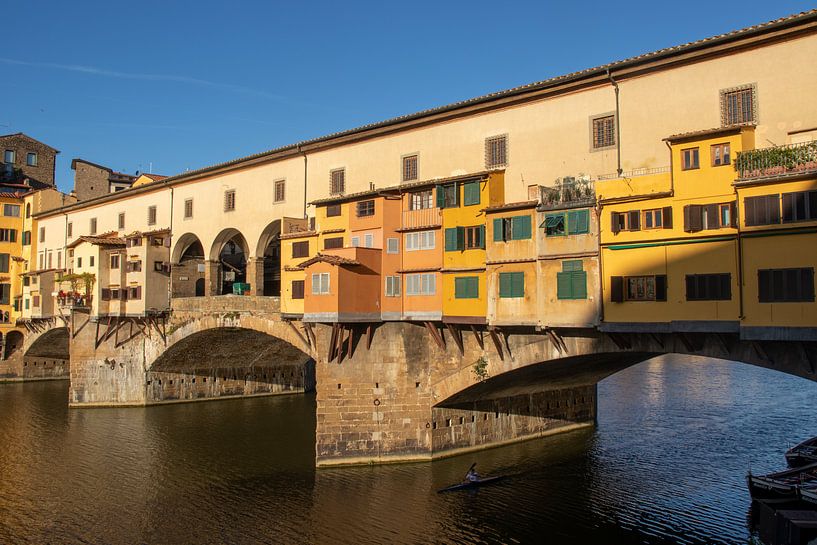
(569, 189)
(88, 281)
(776, 160)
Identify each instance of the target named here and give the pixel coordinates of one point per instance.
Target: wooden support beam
(350, 350)
(369, 335)
(456, 334)
(435, 335)
(657, 340)
(339, 347)
(96, 335)
(332, 342)
(497, 343)
(311, 334)
(298, 333)
(806, 356)
(478, 337)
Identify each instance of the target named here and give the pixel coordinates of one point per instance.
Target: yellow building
(11, 264)
(299, 242)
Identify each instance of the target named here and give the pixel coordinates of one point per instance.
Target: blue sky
(188, 84)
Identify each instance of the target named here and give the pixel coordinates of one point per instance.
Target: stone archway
(266, 276)
(229, 256)
(188, 266)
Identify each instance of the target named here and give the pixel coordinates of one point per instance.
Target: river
(666, 464)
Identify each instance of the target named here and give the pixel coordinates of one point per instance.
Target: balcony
(777, 161)
(568, 192)
(424, 217)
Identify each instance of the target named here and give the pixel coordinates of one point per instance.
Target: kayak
(472, 484)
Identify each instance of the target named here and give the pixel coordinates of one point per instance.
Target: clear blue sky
(188, 84)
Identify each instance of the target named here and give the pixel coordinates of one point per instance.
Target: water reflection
(665, 465)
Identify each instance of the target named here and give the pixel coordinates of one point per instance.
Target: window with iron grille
(188, 208)
(121, 223)
(365, 208)
(92, 226)
(151, 215)
(496, 151)
(604, 132)
(409, 168)
(738, 105)
(229, 200)
(280, 190)
(337, 181)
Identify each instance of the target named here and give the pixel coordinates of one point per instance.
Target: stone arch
(266, 277)
(53, 343)
(231, 253)
(188, 267)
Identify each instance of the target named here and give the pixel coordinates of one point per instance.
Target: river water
(666, 464)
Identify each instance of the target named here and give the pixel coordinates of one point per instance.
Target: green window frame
(470, 193)
(555, 225)
(513, 228)
(448, 196)
(454, 239)
(511, 284)
(466, 287)
(578, 222)
(571, 283)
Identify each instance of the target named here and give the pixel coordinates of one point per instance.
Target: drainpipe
(618, 122)
(671, 171)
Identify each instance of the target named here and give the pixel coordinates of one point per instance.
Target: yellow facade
(292, 276)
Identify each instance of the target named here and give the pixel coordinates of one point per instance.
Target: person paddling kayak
(472, 476)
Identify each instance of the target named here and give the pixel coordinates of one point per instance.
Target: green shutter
(451, 239)
(460, 238)
(470, 193)
(440, 197)
(563, 286)
(504, 285)
(578, 221)
(520, 227)
(466, 287)
(579, 284)
(572, 222)
(482, 236)
(498, 230)
(572, 265)
(511, 284)
(584, 221)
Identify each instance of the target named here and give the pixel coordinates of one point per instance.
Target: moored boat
(803, 454)
(782, 484)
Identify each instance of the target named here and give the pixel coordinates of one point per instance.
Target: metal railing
(424, 217)
(634, 173)
(568, 191)
(777, 160)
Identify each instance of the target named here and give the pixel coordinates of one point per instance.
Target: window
(300, 249)
(188, 209)
(11, 210)
(334, 242)
(135, 292)
(496, 151)
(297, 289)
(28, 210)
(5, 294)
(726, 215)
(355, 242)
(8, 235)
(280, 190)
(10, 156)
(470, 193)
(421, 200)
(466, 287)
(513, 228)
(26, 238)
(454, 239)
(653, 219)
(631, 220)
(93, 226)
(114, 261)
(69, 229)
(320, 283)
(136, 266)
(365, 208)
(720, 154)
(475, 237)
(421, 240)
(368, 240)
(799, 206)
(448, 196)
(392, 246)
(42, 234)
(689, 159)
(91, 261)
(762, 210)
(337, 181)
(511, 284)
(709, 287)
(421, 284)
(229, 200)
(4, 263)
(151, 215)
(79, 262)
(555, 225)
(738, 105)
(50, 259)
(604, 132)
(786, 285)
(571, 283)
(638, 288)
(409, 168)
(392, 286)
(31, 159)
(332, 210)
(121, 222)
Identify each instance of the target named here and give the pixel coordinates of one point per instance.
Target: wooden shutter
(617, 289)
(661, 287)
(713, 220)
(106, 294)
(693, 218)
(481, 231)
(123, 294)
(451, 239)
(773, 208)
(504, 285)
(807, 284)
(470, 193)
(733, 214)
(520, 227)
(138, 292)
(440, 196)
(615, 222)
(460, 238)
(499, 234)
(691, 285)
(764, 286)
(634, 220)
(297, 289)
(578, 284)
(583, 221)
(564, 288)
(666, 214)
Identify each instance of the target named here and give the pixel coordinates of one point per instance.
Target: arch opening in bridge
(13, 343)
(53, 344)
(231, 253)
(229, 362)
(188, 267)
(269, 252)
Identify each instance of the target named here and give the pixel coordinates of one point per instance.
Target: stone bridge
(35, 350)
(386, 392)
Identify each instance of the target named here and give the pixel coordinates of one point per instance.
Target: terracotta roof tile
(331, 259)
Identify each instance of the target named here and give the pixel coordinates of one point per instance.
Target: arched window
(28, 210)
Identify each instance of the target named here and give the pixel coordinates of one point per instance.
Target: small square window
(409, 168)
(31, 159)
(337, 181)
(720, 154)
(689, 159)
(604, 132)
(121, 222)
(280, 190)
(392, 246)
(151, 215)
(496, 151)
(188, 208)
(365, 208)
(738, 105)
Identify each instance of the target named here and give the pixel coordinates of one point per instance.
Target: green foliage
(481, 368)
(776, 160)
(570, 189)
